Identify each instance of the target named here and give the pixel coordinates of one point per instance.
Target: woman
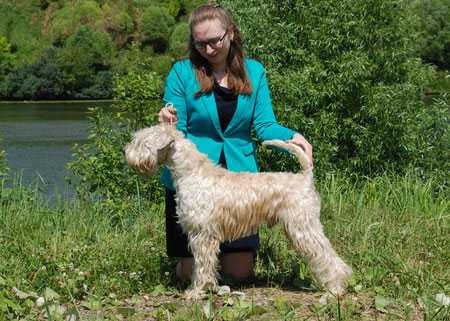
(218, 97)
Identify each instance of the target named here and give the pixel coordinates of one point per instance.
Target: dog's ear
(163, 152)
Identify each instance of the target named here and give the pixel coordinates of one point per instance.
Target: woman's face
(212, 41)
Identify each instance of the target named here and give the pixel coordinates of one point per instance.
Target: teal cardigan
(199, 121)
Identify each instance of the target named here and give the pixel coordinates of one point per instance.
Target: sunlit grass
(392, 230)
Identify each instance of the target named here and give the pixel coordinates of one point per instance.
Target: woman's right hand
(168, 115)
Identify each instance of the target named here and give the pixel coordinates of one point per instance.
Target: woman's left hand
(299, 140)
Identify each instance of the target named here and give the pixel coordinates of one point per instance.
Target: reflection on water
(38, 140)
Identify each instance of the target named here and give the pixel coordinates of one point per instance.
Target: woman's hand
(168, 115)
(299, 140)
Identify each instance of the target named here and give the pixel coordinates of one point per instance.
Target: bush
(99, 165)
(344, 73)
(86, 53)
(76, 71)
(3, 165)
(156, 25)
(72, 16)
(6, 60)
(43, 79)
(178, 42)
(434, 28)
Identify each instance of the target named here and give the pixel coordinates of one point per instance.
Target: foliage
(178, 42)
(20, 23)
(100, 165)
(6, 61)
(6, 57)
(86, 53)
(344, 73)
(434, 29)
(72, 16)
(118, 22)
(3, 164)
(51, 78)
(40, 80)
(90, 40)
(156, 24)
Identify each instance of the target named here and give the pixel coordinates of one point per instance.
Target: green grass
(91, 262)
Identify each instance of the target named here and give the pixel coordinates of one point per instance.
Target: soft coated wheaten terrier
(214, 205)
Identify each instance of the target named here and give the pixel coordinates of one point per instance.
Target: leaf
(126, 311)
(381, 303)
(23, 295)
(50, 295)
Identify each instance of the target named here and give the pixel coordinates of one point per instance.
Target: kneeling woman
(218, 97)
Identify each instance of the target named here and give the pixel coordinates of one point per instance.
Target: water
(38, 139)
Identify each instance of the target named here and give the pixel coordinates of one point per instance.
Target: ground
(253, 303)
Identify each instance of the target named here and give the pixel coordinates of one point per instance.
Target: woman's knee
(238, 265)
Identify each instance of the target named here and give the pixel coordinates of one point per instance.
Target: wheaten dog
(214, 205)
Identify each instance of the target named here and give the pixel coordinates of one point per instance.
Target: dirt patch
(261, 303)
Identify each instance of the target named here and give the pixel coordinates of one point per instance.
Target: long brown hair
(238, 80)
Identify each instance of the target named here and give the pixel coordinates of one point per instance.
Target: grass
(82, 261)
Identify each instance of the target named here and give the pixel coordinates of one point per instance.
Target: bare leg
(184, 269)
(238, 265)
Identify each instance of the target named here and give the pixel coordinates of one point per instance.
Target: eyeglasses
(213, 43)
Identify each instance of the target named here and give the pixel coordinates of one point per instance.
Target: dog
(216, 205)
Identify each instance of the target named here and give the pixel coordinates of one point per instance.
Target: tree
(72, 16)
(6, 62)
(434, 28)
(178, 42)
(156, 26)
(84, 54)
(345, 74)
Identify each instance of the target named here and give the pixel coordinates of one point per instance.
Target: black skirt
(177, 241)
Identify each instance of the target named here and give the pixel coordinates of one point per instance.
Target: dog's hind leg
(306, 234)
(205, 250)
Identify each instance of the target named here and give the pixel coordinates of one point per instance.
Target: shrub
(434, 28)
(344, 73)
(3, 165)
(6, 59)
(76, 71)
(100, 165)
(84, 55)
(43, 79)
(178, 42)
(156, 25)
(72, 16)
(117, 22)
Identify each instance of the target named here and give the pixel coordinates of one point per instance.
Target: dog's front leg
(205, 250)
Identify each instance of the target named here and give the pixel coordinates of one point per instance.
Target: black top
(226, 102)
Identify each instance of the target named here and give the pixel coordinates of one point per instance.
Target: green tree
(118, 22)
(43, 79)
(345, 74)
(434, 28)
(156, 25)
(84, 55)
(6, 62)
(72, 16)
(178, 41)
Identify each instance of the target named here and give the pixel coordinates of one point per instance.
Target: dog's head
(150, 147)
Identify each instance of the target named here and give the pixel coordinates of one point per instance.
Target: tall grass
(392, 230)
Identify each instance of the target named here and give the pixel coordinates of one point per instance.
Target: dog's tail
(293, 149)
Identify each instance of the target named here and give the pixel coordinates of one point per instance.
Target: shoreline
(56, 101)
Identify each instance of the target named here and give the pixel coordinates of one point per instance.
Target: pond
(38, 139)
